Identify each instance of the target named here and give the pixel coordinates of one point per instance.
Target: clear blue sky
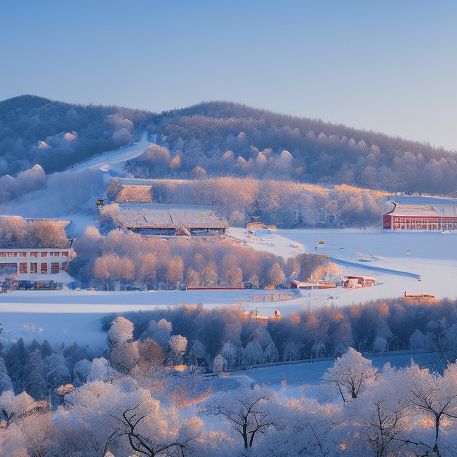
(386, 65)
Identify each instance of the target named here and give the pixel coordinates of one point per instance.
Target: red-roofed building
(421, 217)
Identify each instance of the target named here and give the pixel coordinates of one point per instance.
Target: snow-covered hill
(71, 194)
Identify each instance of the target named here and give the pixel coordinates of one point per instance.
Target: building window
(64, 266)
(44, 254)
(23, 267)
(65, 254)
(44, 268)
(34, 254)
(34, 267)
(22, 254)
(55, 267)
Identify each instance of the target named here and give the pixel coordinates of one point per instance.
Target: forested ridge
(220, 139)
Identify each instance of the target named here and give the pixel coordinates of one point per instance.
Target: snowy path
(362, 266)
(297, 378)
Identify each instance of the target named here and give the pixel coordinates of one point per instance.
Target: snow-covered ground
(75, 315)
(396, 259)
(430, 256)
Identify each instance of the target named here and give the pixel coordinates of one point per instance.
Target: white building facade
(34, 261)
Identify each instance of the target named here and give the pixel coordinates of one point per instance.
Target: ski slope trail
(111, 160)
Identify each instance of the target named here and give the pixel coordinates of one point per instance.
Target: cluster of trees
(284, 203)
(26, 181)
(39, 368)
(152, 262)
(225, 340)
(17, 232)
(123, 410)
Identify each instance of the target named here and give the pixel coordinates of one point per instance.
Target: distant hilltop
(216, 139)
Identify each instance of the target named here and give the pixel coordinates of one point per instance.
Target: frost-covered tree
(291, 351)
(124, 418)
(351, 373)
(276, 275)
(35, 376)
(253, 354)
(177, 349)
(121, 331)
(219, 364)
(197, 353)
(380, 415)
(435, 397)
(100, 370)
(81, 370)
(57, 372)
(271, 354)
(159, 332)
(125, 356)
(231, 354)
(5, 380)
(247, 411)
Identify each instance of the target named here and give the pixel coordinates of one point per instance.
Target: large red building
(421, 217)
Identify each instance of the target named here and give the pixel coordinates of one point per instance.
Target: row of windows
(55, 267)
(34, 254)
(425, 219)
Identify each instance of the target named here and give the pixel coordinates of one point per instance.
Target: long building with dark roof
(421, 217)
(169, 220)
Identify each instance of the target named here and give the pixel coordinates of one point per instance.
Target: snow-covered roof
(165, 216)
(64, 222)
(67, 247)
(135, 181)
(424, 210)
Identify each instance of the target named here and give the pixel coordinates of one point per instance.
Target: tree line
(127, 258)
(135, 396)
(225, 339)
(18, 232)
